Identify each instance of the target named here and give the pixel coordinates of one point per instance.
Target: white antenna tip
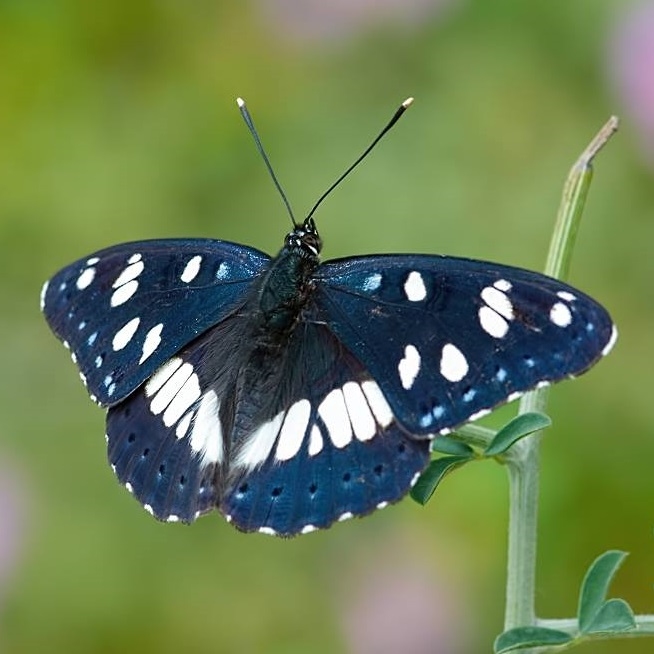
(241, 102)
(407, 103)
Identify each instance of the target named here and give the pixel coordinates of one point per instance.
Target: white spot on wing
(409, 367)
(124, 293)
(170, 388)
(469, 395)
(85, 279)
(560, 315)
(609, 346)
(161, 376)
(269, 531)
(44, 290)
(363, 422)
(454, 366)
(378, 403)
(151, 343)
(191, 269)
(134, 258)
(480, 414)
(92, 261)
(207, 434)
(223, 271)
(334, 414)
(567, 296)
(260, 443)
(414, 287)
(498, 301)
(131, 272)
(293, 430)
(124, 335)
(183, 425)
(315, 441)
(182, 401)
(372, 282)
(503, 285)
(492, 323)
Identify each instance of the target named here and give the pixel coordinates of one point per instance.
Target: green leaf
(519, 427)
(448, 445)
(615, 615)
(523, 637)
(432, 476)
(595, 586)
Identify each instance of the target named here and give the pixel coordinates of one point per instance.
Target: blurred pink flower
(320, 20)
(396, 602)
(631, 68)
(12, 522)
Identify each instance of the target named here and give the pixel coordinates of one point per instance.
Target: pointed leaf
(448, 445)
(431, 477)
(596, 585)
(615, 615)
(523, 637)
(519, 427)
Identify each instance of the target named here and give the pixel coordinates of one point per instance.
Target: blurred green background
(118, 122)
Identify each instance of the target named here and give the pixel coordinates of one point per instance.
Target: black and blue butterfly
(289, 393)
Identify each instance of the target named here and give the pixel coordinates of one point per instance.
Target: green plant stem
(523, 458)
(644, 627)
(474, 435)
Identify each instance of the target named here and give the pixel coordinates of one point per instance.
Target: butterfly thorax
(286, 286)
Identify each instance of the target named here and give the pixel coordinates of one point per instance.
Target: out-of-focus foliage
(118, 122)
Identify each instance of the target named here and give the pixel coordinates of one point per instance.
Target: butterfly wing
(448, 339)
(125, 310)
(292, 446)
(330, 449)
(165, 442)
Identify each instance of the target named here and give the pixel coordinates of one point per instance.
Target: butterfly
(289, 393)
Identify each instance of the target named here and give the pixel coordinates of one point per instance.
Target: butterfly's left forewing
(125, 310)
(448, 339)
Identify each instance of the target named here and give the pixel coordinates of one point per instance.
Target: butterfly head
(305, 238)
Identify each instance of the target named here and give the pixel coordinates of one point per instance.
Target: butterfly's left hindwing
(448, 339)
(302, 441)
(125, 310)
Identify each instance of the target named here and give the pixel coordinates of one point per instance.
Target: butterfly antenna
(396, 116)
(253, 130)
